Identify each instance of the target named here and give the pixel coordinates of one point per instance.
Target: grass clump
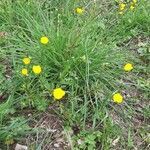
(75, 52)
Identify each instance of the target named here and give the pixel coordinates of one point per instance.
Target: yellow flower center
(79, 10)
(118, 98)
(44, 40)
(58, 93)
(24, 72)
(26, 61)
(37, 69)
(128, 67)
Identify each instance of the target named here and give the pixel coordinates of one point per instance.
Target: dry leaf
(3, 34)
(115, 141)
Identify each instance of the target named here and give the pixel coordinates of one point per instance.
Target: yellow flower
(44, 40)
(58, 93)
(122, 6)
(26, 60)
(117, 98)
(79, 10)
(9, 141)
(132, 7)
(134, 1)
(37, 69)
(24, 72)
(128, 67)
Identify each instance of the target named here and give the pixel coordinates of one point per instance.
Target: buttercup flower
(37, 69)
(24, 72)
(44, 40)
(117, 98)
(134, 1)
(133, 4)
(122, 6)
(132, 7)
(58, 93)
(128, 67)
(79, 10)
(26, 60)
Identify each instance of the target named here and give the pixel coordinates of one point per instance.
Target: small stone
(21, 147)
(56, 145)
(29, 115)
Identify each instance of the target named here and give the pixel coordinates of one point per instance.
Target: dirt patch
(50, 135)
(3, 34)
(135, 42)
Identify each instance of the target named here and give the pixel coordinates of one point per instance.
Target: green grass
(107, 41)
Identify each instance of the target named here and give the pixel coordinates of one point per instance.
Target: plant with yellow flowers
(133, 4)
(124, 6)
(30, 72)
(37, 69)
(75, 62)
